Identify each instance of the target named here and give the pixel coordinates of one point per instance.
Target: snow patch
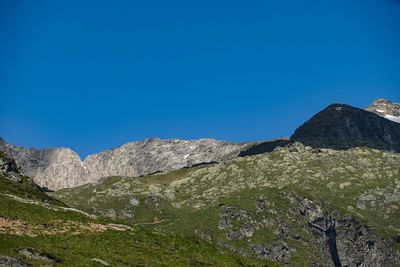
(380, 110)
(392, 118)
(83, 165)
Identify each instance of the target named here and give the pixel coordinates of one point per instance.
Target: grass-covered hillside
(296, 206)
(38, 230)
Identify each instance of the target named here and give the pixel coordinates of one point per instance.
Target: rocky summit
(56, 168)
(340, 126)
(386, 109)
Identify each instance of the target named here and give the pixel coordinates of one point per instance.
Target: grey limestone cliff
(57, 168)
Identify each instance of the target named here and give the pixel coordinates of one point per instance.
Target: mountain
(38, 230)
(386, 109)
(341, 126)
(295, 206)
(338, 126)
(57, 168)
(328, 196)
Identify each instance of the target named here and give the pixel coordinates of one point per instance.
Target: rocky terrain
(38, 230)
(386, 109)
(328, 196)
(296, 206)
(56, 168)
(338, 126)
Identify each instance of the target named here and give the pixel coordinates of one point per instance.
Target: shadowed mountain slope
(342, 126)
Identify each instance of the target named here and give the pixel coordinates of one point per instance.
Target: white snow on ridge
(392, 118)
(83, 165)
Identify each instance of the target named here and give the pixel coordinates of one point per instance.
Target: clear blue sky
(92, 75)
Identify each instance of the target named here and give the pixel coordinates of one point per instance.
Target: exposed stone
(278, 252)
(224, 223)
(57, 168)
(37, 255)
(345, 184)
(357, 246)
(134, 202)
(154, 189)
(6, 261)
(263, 204)
(386, 109)
(341, 126)
(100, 262)
(203, 234)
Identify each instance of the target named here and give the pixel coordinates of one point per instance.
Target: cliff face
(57, 168)
(156, 155)
(53, 168)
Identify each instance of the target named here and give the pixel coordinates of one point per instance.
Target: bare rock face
(353, 245)
(340, 126)
(57, 168)
(156, 155)
(386, 109)
(53, 168)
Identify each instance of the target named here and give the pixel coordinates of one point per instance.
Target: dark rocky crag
(346, 241)
(342, 126)
(264, 147)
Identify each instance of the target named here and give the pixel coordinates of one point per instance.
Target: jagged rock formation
(57, 168)
(353, 245)
(9, 169)
(52, 168)
(156, 155)
(386, 109)
(341, 126)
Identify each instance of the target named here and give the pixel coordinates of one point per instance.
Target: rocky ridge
(386, 109)
(56, 168)
(338, 126)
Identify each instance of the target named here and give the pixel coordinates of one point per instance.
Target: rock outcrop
(342, 126)
(297, 205)
(386, 109)
(264, 147)
(53, 168)
(353, 244)
(56, 168)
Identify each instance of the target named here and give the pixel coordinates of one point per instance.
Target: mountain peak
(385, 108)
(341, 126)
